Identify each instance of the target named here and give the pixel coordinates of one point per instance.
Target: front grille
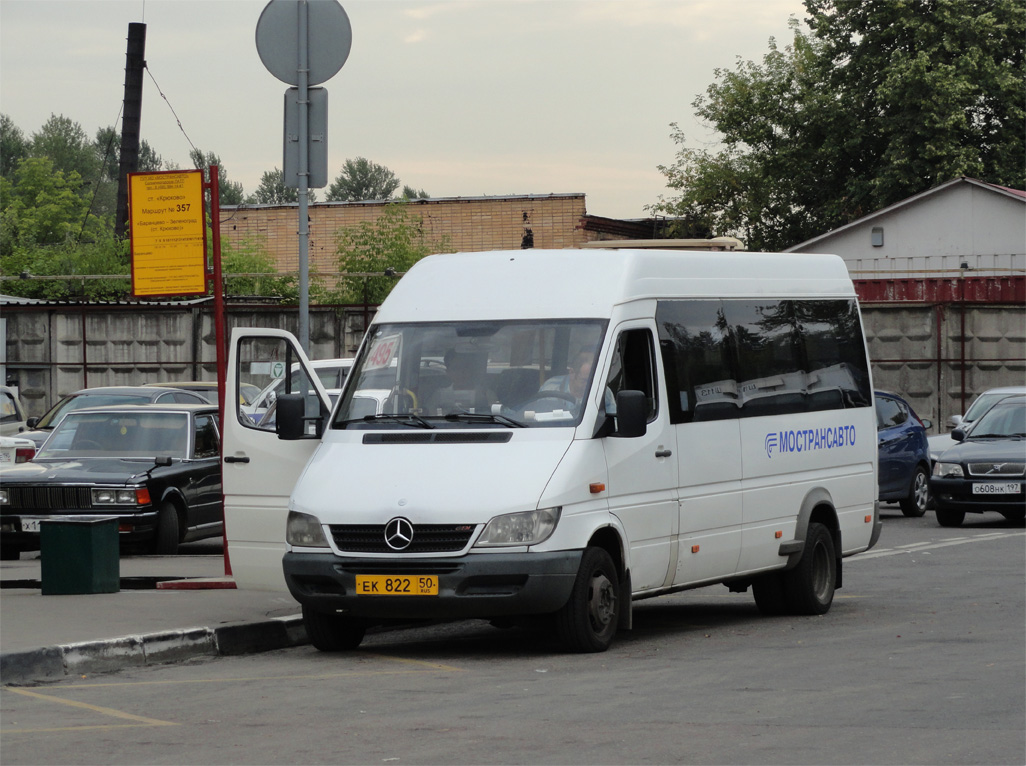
(997, 470)
(48, 498)
(427, 538)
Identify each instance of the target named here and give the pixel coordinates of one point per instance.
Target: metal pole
(135, 63)
(304, 178)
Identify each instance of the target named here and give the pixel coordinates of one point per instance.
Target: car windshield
(983, 403)
(118, 434)
(1003, 420)
(502, 374)
(78, 401)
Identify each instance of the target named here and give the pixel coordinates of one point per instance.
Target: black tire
(9, 553)
(330, 632)
(588, 620)
(918, 499)
(809, 587)
(1014, 516)
(768, 590)
(950, 518)
(166, 538)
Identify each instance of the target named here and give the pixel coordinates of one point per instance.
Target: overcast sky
(461, 98)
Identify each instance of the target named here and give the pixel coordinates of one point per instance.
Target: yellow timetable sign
(168, 236)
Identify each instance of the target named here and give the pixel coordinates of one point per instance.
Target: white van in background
(561, 433)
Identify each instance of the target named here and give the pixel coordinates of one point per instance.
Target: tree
(273, 191)
(410, 193)
(394, 241)
(230, 193)
(67, 146)
(40, 206)
(249, 258)
(14, 147)
(361, 179)
(881, 101)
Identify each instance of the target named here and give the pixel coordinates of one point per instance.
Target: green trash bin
(79, 554)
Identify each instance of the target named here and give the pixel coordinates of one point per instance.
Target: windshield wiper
(404, 419)
(483, 417)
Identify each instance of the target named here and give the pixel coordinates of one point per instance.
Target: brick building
(466, 223)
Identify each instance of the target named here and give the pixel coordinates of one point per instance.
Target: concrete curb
(55, 662)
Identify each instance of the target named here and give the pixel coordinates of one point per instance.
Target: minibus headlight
(525, 528)
(304, 530)
(948, 470)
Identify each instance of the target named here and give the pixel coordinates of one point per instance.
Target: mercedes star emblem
(398, 533)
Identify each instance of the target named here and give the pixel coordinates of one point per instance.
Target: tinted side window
(835, 354)
(698, 356)
(742, 358)
(206, 437)
(770, 368)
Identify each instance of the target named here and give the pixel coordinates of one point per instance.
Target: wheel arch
(818, 506)
(174, 496)
(611, 541)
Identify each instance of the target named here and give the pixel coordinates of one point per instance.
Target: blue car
(904, 454)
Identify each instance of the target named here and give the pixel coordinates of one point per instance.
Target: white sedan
(14, 449)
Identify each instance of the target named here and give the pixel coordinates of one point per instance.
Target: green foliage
(880, 102)
(273, 191)
(361, 179)
(14, 147)
(251, 258)
(106, 255)
(395, 240)
(40, 206)
(67, 146)
(230, 193)
(410, 193)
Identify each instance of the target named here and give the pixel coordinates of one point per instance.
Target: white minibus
(560, 433)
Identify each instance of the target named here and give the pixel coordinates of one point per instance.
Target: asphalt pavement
(168, 608)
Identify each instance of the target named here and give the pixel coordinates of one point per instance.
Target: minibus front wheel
(588, 620)
(330, 632)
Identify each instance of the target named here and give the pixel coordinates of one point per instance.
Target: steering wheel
(539, 395)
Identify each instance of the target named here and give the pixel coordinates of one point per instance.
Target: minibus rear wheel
(768, 590)
(330, 632)
(809, 587)
(588, 620)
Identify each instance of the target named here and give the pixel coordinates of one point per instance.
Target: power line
(180, 127)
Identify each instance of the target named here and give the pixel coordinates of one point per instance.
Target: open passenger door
(260, 469)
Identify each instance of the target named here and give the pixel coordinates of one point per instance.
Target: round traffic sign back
(329, 39)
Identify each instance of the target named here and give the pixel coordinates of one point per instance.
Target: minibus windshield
(494, 374)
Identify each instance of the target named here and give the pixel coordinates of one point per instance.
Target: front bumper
(957, 495)
(473, 586)
(135, 526)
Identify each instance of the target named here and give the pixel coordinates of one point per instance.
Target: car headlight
(114, 496)
(304, 530)
(949, 471)
(5, 499)
(524, 528)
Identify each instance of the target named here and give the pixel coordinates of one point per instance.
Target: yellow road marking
(94, 708)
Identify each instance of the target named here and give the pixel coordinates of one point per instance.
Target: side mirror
(955, 421)
(32, 422)
(290, 423)
(958, 434)
(631, 414)
(927, 423)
